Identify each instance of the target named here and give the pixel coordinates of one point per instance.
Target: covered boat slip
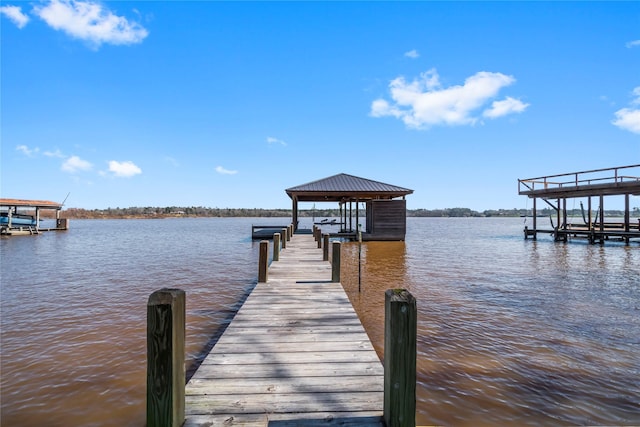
(386, 209)
(22, 217)
(598, 184)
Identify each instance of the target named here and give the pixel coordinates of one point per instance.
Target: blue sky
(226, 104)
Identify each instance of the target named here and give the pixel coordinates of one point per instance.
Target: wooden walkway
(295, 354)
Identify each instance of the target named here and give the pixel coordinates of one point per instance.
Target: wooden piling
(400, 334)
(165, 358)
(284, 238)
(319, 237)
(276, 246)
(335, 262)
(325, 248)
(263, 261)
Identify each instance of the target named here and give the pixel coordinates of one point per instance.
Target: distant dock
(554, 190)
(20, 217)
(259, 232)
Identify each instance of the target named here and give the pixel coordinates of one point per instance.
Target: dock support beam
(263, 261)
(627, 226)
(535, 219)
(165, 358)
(335, 262)
(276, 246)
(325, 247)
(400, 336)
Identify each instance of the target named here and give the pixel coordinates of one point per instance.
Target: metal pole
(359, 260)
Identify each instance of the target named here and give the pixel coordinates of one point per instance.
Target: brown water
(511, 332)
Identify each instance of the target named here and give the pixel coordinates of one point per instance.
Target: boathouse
(386, 207)
(22, 217)
(598, 184)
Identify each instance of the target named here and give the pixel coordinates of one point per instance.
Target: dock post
(284, 238)
(627, 224)
(325, 250)
(263, 261)
(335, 263)
(400, 335)
(165, 358)
(289, 232)
(319, 237)
(276, 246)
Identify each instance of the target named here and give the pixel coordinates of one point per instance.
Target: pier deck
(295, 354)
(623, 181)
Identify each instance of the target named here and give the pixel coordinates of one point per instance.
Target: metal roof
(30, 203)
(343, 186)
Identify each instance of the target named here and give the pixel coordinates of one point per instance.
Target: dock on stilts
(294, 354)
(20, 217)
(554, 190)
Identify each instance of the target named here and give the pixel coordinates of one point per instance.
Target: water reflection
(511, 332)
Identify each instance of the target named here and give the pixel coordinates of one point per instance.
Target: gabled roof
(343, 186)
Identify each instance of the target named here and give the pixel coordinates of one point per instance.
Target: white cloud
(423, 102)
(633, 43)
(125, 169)
(224, 171)
(56, 153)
(507, 106)
(271, 140)
(91, 22)
(27, 151)
(172, 161)
(14, 13)
(75, 164)
(629, 118)
(636, 93)
(412, 54)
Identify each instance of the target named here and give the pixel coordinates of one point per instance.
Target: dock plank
(294, 354)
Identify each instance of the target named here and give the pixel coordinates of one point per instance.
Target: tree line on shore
(199, 211)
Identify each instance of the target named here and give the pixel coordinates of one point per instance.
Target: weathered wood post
(400, 330)
(319, 237)
(263, 261)
(284, 238)
(335, 262)
(276, 246)
(165, 358)
(289, 232)
(325, 248)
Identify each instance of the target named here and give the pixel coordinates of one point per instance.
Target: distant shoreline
(201, 212)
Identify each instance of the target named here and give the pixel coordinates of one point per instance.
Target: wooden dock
(623, 181)
(295, 354)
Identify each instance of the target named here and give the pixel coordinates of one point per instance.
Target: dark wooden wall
(386, 220)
